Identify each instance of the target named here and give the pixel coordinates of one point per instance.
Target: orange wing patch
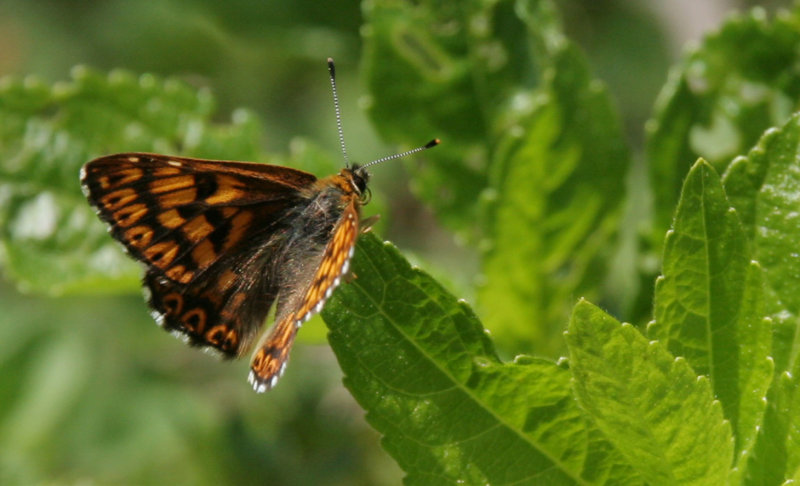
(335, 263)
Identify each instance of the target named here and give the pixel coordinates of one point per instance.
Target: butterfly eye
(366, 196)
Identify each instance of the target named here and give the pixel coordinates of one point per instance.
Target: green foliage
(651, 405)
(720, 99)
(708, 302)
(421, 365)
(763, 186)
(51, 241)
(534, 176)
(525, 126)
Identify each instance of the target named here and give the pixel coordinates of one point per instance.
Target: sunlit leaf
(420, 363)
(650, 405)
(708, 303)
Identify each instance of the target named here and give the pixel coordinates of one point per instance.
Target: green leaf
(649, 404)
(422, 366)
(720, 99)
(788, 409)
(559, 185)
(764, 186)
(776, 455)
(765, 189)
(50, 241)
(468, 73)
(459, 71)
(708, 303)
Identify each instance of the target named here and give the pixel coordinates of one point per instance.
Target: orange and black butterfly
(224, 241)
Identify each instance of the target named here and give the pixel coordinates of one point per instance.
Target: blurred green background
(91, 392)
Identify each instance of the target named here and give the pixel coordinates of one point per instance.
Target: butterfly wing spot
(165, 172)
(194, 320)
(204, 254)
(161, 254)
(174, 163)
(178, 198)
(216, 334)
(269, 361)
(158, 317)
(171, 219)
(173, 303)
(120, 177)
(179, 273)
(231, 341)
(117, 199)
(223, 337)
(130, 214)
(198, 228)
(185, 338)
(226, 190)
(171, 184)
(87, 193)
(133, 159)
(225, 281)
(240, 224)
(139, 236)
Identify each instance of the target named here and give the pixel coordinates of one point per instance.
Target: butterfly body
(223, 242)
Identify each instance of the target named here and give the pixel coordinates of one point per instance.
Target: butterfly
(223, 242)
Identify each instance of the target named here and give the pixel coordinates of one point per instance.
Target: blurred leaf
(650, 405)
(788, 414)
(422, 366)
(764, 186)
(447, 70)
(466, 72)
(740, 81)
(559, 187)
(708, 306)
(50, 240)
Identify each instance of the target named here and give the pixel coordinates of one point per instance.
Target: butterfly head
(358, 178)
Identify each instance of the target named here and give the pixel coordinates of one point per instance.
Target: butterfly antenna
(428, 145)
(332, 71)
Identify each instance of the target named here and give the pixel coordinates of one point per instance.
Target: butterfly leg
(367, 223)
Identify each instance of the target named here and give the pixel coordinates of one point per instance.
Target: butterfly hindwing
(271, 355)
(224, 311)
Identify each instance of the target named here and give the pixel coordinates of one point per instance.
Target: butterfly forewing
(204, 230)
